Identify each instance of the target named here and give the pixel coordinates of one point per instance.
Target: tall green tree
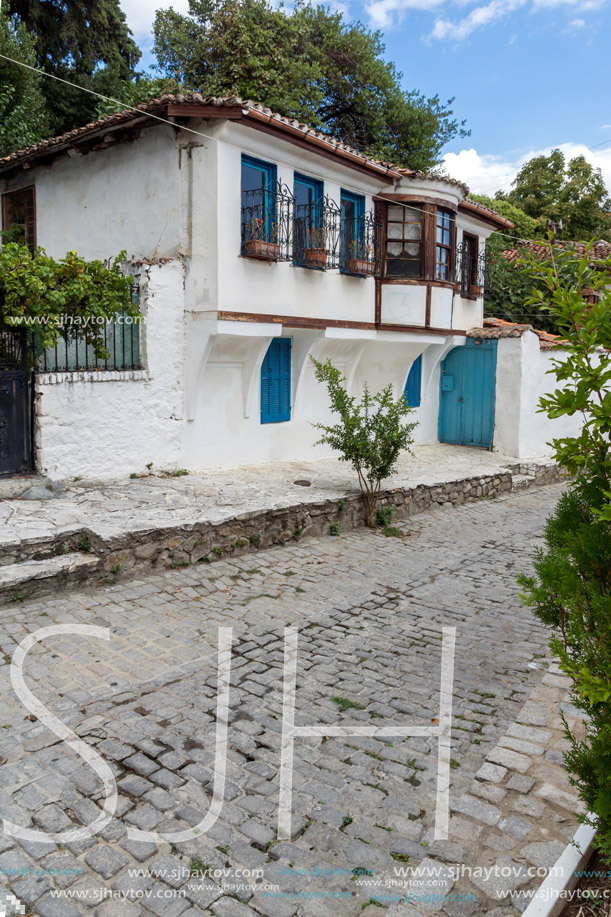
(549, 187)
(86, 42)
(23, 118)
(307, 63)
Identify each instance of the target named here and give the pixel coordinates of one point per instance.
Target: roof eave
(487, 216)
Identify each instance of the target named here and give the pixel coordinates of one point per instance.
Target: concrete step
(522, 482)
(33, 577)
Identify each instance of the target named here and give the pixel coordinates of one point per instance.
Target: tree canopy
(86, 42)
(550, 188)
(308, 63)
(23, 119)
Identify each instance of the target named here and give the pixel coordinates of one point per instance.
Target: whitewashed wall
(102, 425)
(522, 377)
(129, 196)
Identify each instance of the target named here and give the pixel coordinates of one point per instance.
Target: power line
(197, 133)
(596, 146)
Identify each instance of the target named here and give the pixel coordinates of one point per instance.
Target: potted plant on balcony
(476, 289)
(360, 260)
(315, 252)
(262, 240)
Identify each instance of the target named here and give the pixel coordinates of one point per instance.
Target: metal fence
(72, 353)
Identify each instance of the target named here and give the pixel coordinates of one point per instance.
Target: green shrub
(370, 434)
(571, 589)
(571, 592)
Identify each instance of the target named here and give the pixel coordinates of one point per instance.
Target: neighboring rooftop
(496, 328)
(126, 125)
(600, 250)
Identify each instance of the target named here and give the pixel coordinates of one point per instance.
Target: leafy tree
(370, 433)
(571, 593)
(510, 289)
(549, 187)
(22, 110)
(142, 88)
(307, 63)
(86, 42)
(70, 296)
(524, 226)
(571, 589)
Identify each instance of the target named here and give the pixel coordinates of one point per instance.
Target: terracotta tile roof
(496, 328)
(158, 109)
(600, 251)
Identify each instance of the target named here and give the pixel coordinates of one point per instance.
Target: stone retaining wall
(206, 542)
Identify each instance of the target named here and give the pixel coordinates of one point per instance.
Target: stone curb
(206, 541)
(548, 901)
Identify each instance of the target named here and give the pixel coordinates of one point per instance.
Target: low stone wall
(180, 546)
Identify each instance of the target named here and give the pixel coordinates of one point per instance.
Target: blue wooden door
(466, 398)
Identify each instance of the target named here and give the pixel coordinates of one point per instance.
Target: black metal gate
(15, 413)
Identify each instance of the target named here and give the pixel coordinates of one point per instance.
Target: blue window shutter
(413, 385)
(276, 382)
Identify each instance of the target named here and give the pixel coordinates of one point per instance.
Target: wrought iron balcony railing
(267, 223)
(361, 246)
(472, 270)
(312, 235)
(316, 234)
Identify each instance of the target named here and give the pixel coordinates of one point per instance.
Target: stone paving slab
(149, 502)
(369, 611)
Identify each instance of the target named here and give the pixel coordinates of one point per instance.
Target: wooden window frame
(421, 242)
(30, 228)
(428, 243)
(449, 248)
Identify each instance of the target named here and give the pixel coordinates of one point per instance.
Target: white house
(255, 242)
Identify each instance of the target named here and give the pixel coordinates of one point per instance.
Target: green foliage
(524, 226)
(384, 515)
(23, 119)
(571, 592)
(510, 290)
(83, 41)
(141, 88)
(549, 187)
(370, 433)
(583, 366)
(70, 296)
(571, 589)
(306, 62)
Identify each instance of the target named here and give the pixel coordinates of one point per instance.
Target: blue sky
(528, 75)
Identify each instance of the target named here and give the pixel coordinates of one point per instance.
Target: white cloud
(140, 14)
(477, 18)
(486, 174)
(382, 13)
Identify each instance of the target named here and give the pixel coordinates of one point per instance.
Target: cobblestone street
(369, 611)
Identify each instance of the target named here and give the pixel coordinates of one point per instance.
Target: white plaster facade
(522, 377)
(171, 200)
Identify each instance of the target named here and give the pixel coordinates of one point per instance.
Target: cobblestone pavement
(149, 501)
(369, 610)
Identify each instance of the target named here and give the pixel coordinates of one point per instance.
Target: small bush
(571, 592)
(370, 434)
